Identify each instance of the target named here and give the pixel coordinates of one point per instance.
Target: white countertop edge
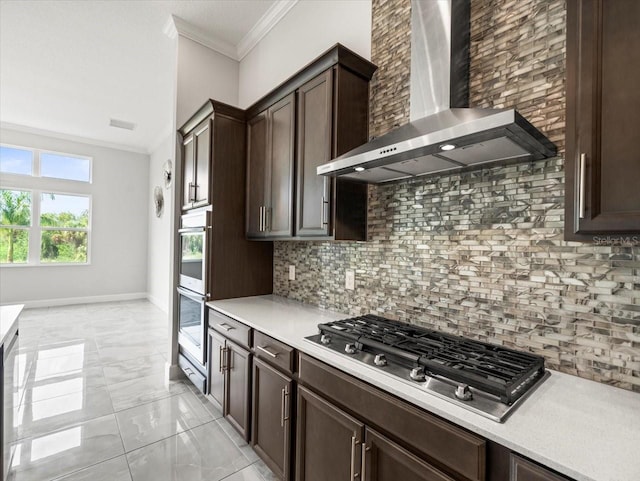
(526, 431)
(8, 318)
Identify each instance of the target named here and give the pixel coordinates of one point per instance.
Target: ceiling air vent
(122, 124)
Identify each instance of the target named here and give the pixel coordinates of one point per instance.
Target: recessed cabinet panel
(523, 470)
(315, 108)
(602, 162)
(256, 175)
(238, 368)
(385, 460)
(188, 158)
(271, 423)
(217, 359)
(202, 164)
(328, 440)
(279, 208)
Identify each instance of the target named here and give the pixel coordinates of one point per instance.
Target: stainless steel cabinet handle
(325, 205)
(225, 326)
(287, 408)
(267, 352)
(353, 474)
(221, 368)
(363, 467)
(260, 222)
(267, 219)
(282, 401)
(581, 193)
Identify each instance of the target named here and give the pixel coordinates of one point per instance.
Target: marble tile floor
(92, 403)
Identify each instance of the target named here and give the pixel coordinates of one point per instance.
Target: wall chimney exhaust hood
(443, 133)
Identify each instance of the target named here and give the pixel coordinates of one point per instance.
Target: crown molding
(72, 138)
(185, 29)
(270, 19)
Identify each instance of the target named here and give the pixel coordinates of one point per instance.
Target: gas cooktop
(484, 378)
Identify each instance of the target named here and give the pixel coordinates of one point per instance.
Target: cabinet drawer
(523, 470)
(274, 352)
(198, 379)
(444, 445)
(230, 328)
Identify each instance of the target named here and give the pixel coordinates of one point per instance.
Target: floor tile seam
(158, 440)
(86, 467)
(164, 439)
(169, 395)
(259, 473)
(63, 427)
(83, 390)
(124, 449)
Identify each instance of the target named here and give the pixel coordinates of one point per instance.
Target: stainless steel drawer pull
(225, 326)
(267, 352)
(581, 193)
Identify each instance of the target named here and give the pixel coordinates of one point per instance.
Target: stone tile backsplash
(481, 253)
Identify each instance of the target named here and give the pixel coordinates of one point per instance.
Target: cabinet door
(271, 428)
(238, 377)
(384, 460)
(315, 107)
(603, 114)
(202, 139)
(523, 470)
(256, 175)
(327, 442)
(217, 359)
(188, 171)
(281, 134)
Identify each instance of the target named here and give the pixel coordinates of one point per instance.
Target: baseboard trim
(173, 371)
(68, 301)
(156, 302)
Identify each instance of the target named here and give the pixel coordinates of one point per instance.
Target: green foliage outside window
(15, 210)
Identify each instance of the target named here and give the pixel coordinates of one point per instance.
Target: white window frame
(37, 185)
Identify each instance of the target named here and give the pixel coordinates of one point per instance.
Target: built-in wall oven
(193, 283)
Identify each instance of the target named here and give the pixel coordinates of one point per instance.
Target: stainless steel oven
(192, 324)
(194, 250)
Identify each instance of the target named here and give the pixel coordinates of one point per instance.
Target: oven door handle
(192, 229)
(191, 295)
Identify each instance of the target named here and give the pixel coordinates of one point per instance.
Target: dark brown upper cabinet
(603, 114)
(270, 171)
(327, 104)
(332, 119)
(196, 162)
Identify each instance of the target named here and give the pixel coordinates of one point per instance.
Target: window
(45, 207)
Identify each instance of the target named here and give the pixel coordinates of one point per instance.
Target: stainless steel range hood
(443, 134)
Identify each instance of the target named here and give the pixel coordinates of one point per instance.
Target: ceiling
(70, 66)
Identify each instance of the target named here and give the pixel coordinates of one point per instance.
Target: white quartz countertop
(8, 319)
(583, 429)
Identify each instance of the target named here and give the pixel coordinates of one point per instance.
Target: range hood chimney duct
(443, 133)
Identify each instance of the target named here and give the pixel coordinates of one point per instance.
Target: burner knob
(463, 392)
(350, 348)
(417, 374)
(325, 339)
(380, 360)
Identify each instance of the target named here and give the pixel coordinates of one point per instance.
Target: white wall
(118, 239)
(159, 250)
(310, 28)
(202, 74)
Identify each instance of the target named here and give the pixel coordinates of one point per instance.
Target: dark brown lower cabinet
(328, 441)
(230, 380)
(217, 353)
(384, 460)
(271, 422)
(238, 384)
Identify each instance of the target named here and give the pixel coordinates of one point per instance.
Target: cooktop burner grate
(500, 371)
